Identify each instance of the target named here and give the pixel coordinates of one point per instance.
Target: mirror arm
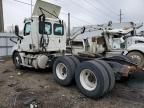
(19, 36)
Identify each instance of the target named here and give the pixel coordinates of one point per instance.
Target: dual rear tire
(64, 70)
(93, 78)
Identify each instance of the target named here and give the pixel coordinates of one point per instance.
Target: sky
(83, 12)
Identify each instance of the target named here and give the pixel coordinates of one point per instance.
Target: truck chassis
(94, 76)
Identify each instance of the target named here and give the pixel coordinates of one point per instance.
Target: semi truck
(43, 44)
(119, 38)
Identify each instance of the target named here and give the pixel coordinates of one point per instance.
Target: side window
(58, 29)
(48, 28)
(27, 29)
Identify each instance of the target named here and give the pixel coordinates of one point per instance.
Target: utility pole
(120, 15)
(1, 17)
(31, 8)
(69, 25)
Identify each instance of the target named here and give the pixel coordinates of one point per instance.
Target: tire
(109, 72)
(75, 60)
(136, 57)
(63, 70)
(98, 86)
(17, 60)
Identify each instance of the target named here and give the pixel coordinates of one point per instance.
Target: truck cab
(37, 40)
(34, 40)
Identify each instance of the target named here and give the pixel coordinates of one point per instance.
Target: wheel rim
(61, 71)
(17, 60)
(136, 58)
(88, 80)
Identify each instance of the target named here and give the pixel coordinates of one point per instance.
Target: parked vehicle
(43, 45)
(109, 40)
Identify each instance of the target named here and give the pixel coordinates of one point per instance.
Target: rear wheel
(137, 57)
(109, 72)
(63, 70)
(17, 60)
(92, 79)
(75, 60)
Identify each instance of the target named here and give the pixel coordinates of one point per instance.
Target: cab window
(27, 29)
(47, 30)
(58, 29)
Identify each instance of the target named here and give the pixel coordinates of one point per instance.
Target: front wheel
(17, 60)
(137, 57)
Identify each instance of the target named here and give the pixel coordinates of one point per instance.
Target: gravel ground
(19, 86)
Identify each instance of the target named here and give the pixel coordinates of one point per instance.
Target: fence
(6, 44)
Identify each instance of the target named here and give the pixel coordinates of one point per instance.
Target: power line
(62, 12)
(106, 6)
(83, 7)
(100, 10)
(72, 1)
(74, 17)
(116, 8)
(81, 19)
(23, 2)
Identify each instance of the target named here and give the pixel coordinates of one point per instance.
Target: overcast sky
(83, 12)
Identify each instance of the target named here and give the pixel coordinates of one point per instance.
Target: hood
(54, 9)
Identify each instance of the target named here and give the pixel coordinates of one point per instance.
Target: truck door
(59, 36)
(26, 42)
(54, 36)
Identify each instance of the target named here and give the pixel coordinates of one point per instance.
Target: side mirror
(17, 30)
(42, 24)
(41, 27)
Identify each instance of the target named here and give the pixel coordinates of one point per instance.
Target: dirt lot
(17, 86)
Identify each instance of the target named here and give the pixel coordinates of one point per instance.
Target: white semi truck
(119, 38)
(43, 45)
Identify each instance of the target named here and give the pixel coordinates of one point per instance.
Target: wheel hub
(61, 71)
(136, 58)
(88, 80)
(17, 60)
